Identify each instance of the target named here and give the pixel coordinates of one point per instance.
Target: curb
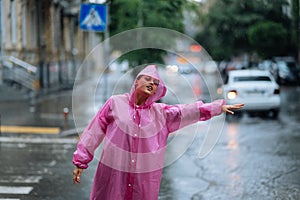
(72, 132)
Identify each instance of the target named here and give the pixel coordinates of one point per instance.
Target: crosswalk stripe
(9, 199)
(20, 179)
(15, 190)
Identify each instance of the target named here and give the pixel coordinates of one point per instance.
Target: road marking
(55, 116)
(30, 129)
(9, 199)
(20, 179)
(7, 140)
(15, 190)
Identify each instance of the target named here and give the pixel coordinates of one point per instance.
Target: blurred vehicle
(172, 68)
(225, 67)
(286, 70)
(186, 69)
(257, 89)
(265, 65)
(210, 67)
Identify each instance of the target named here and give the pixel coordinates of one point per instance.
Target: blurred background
(45, 43)
(45, 38)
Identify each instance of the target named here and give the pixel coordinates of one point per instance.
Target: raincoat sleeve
(179, 116)
(91, 137)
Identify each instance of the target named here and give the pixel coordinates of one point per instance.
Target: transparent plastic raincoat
(134, 141)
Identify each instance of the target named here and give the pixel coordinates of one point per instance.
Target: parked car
(286, 70)
(257, 89)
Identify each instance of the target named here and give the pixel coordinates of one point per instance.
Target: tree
(268, 38)
(126, 15)
(296, 27)
(228, 21)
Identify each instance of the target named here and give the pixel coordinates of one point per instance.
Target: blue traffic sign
(93, 17)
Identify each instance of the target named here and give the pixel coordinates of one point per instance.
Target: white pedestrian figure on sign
(92, 19)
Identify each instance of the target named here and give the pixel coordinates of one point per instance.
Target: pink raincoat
(135, 139)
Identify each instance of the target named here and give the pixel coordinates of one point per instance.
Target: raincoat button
(129, 185)
(135, 135)
(139, 125)
(132, 161)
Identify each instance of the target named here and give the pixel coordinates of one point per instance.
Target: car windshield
(283, 66)
(291, 65)
(251, 78)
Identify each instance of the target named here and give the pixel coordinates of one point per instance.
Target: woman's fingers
(228, 108)
(76, 175)
(237, 106)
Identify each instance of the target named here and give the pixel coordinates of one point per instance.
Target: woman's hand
(76, 174)
(229, 108)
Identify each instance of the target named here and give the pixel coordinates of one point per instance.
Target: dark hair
(139, 77)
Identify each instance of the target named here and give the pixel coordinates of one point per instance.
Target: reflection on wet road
(255, 158)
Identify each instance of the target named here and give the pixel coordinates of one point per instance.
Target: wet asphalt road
(254, 158)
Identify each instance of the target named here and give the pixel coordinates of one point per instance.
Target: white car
(257, 89)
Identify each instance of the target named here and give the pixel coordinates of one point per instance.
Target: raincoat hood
(150, 70)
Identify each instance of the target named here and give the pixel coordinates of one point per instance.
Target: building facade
(42, 45)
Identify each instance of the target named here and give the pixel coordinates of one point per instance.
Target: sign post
(94, 17)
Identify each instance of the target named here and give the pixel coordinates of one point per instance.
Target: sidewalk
(44, 116)
(8, 93)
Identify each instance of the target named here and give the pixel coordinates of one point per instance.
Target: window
(251, 78)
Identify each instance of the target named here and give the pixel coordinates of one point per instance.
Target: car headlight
(232, 94)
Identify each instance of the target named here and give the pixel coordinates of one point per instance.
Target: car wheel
(252, 114)
(273, 114)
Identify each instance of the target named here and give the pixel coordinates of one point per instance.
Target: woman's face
(146, 84)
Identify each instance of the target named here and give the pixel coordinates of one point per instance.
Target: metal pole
(106, 51)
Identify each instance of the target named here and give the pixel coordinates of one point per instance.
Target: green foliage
(228, 21)
(126, 15)
(296, 24)
(269, 39)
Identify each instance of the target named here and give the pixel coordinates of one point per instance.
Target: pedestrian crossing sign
(92, 17)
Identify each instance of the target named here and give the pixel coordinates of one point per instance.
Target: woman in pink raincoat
(134, 130)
